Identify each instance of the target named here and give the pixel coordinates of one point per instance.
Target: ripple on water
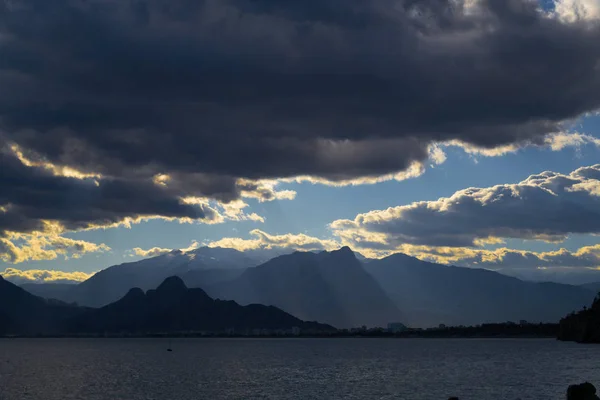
(411, 369)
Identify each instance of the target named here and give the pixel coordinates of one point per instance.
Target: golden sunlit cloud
(264, 240)
(415, 170)
(56, 170)
(44, 276)
(161, 179)
(555, 142)
(571, 11)
(264, 190)
(585, 257)
(18, 248)
(153, 252)
(158, 251)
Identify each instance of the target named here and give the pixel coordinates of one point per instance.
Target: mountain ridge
(334, 287)
(174, 307)
(170, 308)
(468, 296)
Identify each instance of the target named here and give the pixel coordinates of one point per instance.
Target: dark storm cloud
(31, 195)
(265, 88)
(548, 206)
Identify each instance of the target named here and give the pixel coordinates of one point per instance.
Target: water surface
(411, 369)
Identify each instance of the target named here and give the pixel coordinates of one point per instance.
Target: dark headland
(582, 326)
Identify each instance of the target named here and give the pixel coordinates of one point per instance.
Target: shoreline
(486, 331)
(174, 336)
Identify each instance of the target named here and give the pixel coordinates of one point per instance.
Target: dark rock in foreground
(584, 391)
(583, 326)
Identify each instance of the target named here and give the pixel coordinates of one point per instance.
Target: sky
(463, 132)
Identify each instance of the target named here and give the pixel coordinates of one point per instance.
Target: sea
(410, 369)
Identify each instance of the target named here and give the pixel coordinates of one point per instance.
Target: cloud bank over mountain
(548, 206)
(120, 111)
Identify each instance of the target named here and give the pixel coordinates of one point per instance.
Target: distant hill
(429, 294)
(173, 307)
(22, 312)
(593, 286)
(49, 290)
(200, 267)
(330, 287)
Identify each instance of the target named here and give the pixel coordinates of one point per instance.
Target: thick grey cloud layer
(30, 195)
(210, 91)
(547, 206)
(265, 88)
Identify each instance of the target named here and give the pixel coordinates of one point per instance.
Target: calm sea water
(411, 369)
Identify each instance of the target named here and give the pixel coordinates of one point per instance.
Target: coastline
(506, 330)
(198, 336)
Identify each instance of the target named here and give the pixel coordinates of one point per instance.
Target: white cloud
(234, 211)
(157, 251)
(577, 10)
(548, 206)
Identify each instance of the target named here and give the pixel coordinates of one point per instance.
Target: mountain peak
(400, 256)
(172, 284)
(344, 252)
(134, 293)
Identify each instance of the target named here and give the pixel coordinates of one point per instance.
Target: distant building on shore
(396, 327)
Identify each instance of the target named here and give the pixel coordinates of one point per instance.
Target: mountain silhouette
(172, 307)
(428, 294)
(201, 267)
(593, 286)
(21, 312)
(51, 290)
(582, 326)
(336, 288)
(330, 287)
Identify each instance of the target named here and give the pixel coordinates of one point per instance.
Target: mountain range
(171, 307)
(339, 289)
(328, 286)
(427, 292)
(22, 312)
(200, 267)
